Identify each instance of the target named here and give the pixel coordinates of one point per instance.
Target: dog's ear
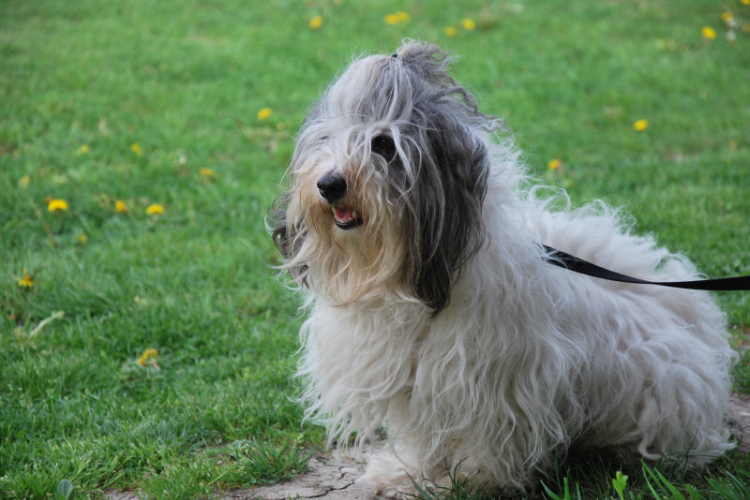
(276, 224)
(286, 238)
(447, 198)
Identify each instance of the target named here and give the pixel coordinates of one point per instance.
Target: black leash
(572, 263)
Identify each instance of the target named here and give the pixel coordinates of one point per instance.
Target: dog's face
(387, 182)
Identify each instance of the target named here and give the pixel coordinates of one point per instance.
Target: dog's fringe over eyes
(412, 231)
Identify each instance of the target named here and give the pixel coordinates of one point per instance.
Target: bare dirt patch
(739, 421)
(328, 476)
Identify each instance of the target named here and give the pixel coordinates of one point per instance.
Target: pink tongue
(344, 214)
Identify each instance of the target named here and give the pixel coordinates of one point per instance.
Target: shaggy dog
(434, 312)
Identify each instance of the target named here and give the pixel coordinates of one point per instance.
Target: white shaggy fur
(523, 359)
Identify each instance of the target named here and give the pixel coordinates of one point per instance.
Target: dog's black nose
(332, 187)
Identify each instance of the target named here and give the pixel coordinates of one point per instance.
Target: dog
(417, 239)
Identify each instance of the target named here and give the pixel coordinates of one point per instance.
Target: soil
(739, 421)
(328, 476)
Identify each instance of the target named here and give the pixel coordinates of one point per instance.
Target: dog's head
(388, 179)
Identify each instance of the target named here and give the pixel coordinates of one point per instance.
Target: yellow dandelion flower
(149, 356)
(121, 207)
(640, 125)
(155, 209)
(468, 24)
(57, 205)
(27, 281)
(745, 2)
(82, 239)
(24, 181)
(316, 22)
(554, 164)
(392, 19)
(708, 33)
(207, 172)
(136, 148)
(83, 150)
(402, 16)
(264, 114)
(727, 17)
(451, 31)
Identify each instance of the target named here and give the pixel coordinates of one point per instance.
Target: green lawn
(118, 107)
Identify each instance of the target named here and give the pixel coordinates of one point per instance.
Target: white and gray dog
(434, 313)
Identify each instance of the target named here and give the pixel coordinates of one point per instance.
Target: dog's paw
(394, 489)
(389, 477)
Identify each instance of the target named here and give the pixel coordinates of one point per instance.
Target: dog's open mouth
(346, 218)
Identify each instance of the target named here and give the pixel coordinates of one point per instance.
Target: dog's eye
(385, 147)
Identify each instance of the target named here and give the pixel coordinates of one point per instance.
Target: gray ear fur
(450, 184)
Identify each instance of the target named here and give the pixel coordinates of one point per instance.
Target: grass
(107, 101)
